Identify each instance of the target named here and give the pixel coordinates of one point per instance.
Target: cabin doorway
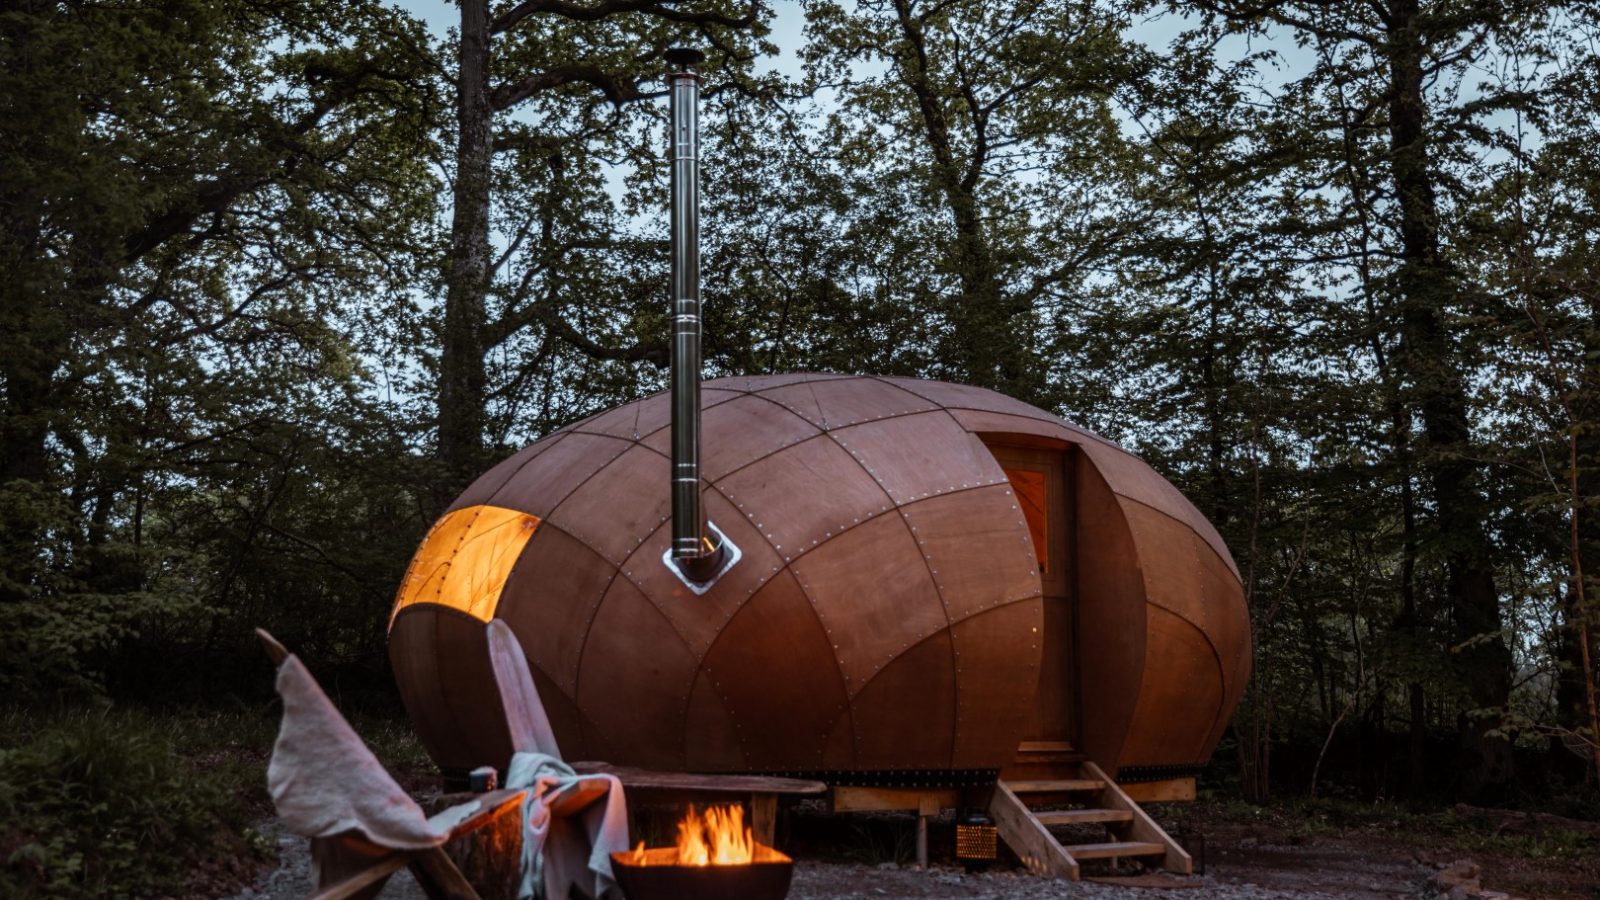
(1040, 480)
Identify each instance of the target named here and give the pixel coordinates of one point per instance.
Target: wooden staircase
(1097, 800)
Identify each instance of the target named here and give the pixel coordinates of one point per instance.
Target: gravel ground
(1299, 874)
(291, 880)
(827, 881)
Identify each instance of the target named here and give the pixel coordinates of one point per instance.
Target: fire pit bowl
(656, 875)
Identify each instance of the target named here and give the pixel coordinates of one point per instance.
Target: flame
(719, 837)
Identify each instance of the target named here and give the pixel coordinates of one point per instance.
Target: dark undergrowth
(128, 801)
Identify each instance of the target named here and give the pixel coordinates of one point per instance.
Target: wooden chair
(530, 730)
(573, 864)
(351, 863)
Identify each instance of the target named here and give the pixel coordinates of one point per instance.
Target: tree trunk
(986, 345)
(1428, 360)
(461, 366)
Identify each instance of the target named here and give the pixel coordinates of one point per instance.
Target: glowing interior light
(464, 561)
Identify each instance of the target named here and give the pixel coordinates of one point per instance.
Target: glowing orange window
(465, 560)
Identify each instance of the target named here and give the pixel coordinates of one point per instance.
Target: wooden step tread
(1083, 816)
(1060, 785)
(1115, 849)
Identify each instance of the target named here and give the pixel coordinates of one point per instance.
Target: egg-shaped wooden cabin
(931, 577)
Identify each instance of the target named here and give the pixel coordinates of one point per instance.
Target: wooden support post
(928, 806)
(764, 818)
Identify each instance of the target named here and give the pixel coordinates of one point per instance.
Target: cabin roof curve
(594, 499)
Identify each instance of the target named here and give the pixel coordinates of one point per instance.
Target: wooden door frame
(1059, 458)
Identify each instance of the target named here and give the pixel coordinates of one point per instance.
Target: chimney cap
(684, 57)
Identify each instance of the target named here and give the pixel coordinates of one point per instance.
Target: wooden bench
(761, 791)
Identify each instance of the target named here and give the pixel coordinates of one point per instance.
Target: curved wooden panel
(775, 671)
(1179, 699)
(1006, 425)
(997, 669)
(1167, 557)
(493, 480)
(905, 716)
(804, 495)
(468, 684)
(873, 594)
(634, 681)
(747, 429)
(1227, 619)
(843, 402)
(565, 718)
(960, 396)
(700, 618)
(1111, 608)
(920, 456)
(622, 677)
(763, 382)
(414, 658)
(441, 662)
(1184, 576)
(1229, 631)
(978, 547)
(1132, 478)
(710, 738)
(617, 510)
(631, 421)
(551, 601)
(548, 479)
(641, 418)
(840, 753)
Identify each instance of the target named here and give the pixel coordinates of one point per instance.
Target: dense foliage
(100, 804)
(280, 276)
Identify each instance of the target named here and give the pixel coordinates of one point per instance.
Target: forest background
(282, 276)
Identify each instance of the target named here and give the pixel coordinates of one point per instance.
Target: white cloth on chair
(325, 782)
(557, 852)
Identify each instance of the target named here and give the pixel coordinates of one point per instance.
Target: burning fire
(716, 837)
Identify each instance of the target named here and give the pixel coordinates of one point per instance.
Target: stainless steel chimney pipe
(699, 553)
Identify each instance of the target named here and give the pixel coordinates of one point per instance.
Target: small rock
(1458, 881)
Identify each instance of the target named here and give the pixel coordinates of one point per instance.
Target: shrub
(99, 804)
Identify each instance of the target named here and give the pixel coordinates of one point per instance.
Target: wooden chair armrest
(577, 795)
(494, 805)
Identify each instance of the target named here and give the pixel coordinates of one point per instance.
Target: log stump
(491, 856)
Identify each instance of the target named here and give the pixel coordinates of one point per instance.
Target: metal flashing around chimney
(730, 554)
